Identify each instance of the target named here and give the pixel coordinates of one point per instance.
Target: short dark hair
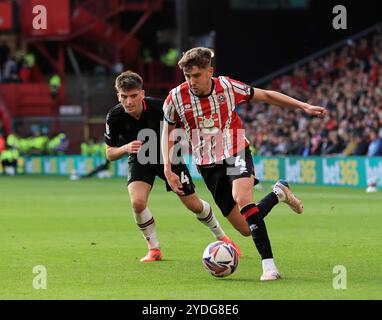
(128, 80)
(199, 57)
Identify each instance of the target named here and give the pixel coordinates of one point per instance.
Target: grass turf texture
(84, 234)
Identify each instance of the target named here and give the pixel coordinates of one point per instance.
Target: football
(220, 259)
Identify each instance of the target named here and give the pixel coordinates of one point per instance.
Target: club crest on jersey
(221, 98)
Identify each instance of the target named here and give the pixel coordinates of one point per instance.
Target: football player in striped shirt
(137, 119)
(205, 108)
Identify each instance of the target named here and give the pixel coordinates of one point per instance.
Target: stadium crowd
(38, 143)
(348, 83)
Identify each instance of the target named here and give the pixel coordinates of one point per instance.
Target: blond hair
(199, 57)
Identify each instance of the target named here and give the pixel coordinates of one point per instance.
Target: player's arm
(282, 100)
(116, 153)
(111, 136)
(167, 146)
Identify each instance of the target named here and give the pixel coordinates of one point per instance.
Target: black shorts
(219, 177)
(148, 172)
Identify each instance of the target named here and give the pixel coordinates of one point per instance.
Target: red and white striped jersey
(211, 123)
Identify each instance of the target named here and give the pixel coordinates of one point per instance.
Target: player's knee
(138, 205)
(243, 200)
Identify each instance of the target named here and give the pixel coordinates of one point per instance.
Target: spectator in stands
(4, 52)
(336, 144)
(87, 147)
(30, 59)
(375, 146)
(9, 158)
(350, 141)
(295, 146)
(55, 85)
(170, 58)
(2, 143)
(13, 140)
(25, 73)
(20, 55)
(38, 144)
(10, 70)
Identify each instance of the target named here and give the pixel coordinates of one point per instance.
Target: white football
(220, 259)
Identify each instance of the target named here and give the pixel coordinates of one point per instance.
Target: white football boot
(270, 275)
(284, 194)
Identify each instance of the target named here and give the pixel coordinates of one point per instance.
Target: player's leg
(203, 212)
(201, 209)
(140, 182)
(238, 222)
(240, 173)
(242, 192)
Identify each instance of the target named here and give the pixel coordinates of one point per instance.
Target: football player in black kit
(137, 119)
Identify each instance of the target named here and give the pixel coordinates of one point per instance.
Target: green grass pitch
(84, 234)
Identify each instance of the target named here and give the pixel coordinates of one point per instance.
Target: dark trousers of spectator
(7, 163)
(102, 167)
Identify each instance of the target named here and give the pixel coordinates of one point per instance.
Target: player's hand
(133, 147)
(174, 182)
(315, 110)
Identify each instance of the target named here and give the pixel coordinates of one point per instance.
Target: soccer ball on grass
(220, 259)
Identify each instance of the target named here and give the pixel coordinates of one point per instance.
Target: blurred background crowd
(57, 85)
(348, 82)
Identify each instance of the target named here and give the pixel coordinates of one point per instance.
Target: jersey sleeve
(169, 110)
(241, 91)
(111, 135)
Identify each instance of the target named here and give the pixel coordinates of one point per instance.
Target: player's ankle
(279, 193)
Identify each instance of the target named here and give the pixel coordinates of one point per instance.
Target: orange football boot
(226, 239)
(152, 255)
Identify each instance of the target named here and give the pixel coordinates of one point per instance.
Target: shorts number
(184, 178)
(240, 162)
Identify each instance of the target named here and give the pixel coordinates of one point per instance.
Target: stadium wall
(320, 171)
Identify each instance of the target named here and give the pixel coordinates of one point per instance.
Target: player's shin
(146, 224)
(256, 224)
(208, 218)
(266, 204)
